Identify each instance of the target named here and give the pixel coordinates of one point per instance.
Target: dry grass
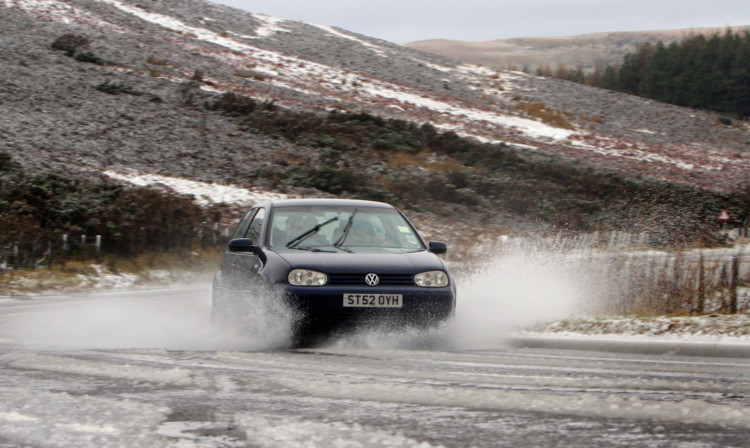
(73, 275)
(545, 114)
(156, 61)
(250, 74)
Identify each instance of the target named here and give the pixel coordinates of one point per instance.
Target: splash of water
(173, 319)
(519, 286)
(513, 290)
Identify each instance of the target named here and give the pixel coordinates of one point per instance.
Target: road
(142, 369)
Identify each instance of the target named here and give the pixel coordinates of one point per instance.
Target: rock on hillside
(137, 110)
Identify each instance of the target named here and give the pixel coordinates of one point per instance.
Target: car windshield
(343, 228)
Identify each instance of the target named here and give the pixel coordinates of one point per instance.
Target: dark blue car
(336, 263)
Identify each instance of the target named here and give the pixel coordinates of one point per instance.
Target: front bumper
(322, 307)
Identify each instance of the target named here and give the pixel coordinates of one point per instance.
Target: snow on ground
(52, 419)
(177, 25)
(531, 128)
(49, 363)
(711, 328)
(96, 278)
(511, 378)
(687, 411)
(279, 431)
(270, 25)
(486, 121)
(103, 279)
(204, 193)
(61, 12)
(330, 30)
(296, 71)
(635, 151)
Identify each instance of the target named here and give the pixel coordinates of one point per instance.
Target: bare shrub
(70, 43)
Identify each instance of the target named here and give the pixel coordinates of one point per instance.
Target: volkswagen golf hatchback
(336, 263)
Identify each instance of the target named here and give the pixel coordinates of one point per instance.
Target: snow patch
(531, 128)
(204, 193)
(192, 434)
(440, 68)
(104, 279)
(16, 417)
(709, 329)
(269, 25)
(178, 26)
(330, 30)
(273, 432)
(58, 11)
(476, 70)
(40, 418)
(635, 151)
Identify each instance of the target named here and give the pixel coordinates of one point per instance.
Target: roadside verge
(635, 344)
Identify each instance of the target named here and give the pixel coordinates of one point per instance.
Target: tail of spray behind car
(512, 290)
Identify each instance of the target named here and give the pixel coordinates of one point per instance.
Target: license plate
(373, 300)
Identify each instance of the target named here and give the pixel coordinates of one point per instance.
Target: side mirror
(436, 247)
(242, 245)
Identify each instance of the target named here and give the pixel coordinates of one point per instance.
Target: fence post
(98, 248)
(49, 253)
(733, 280)
(83, 248)
(701, 299)
(65, 247)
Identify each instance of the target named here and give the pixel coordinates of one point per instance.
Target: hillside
(198, 91)
(530, 53)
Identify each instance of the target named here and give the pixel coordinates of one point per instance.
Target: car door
(240, 269)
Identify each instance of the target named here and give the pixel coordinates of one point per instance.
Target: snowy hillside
(177, 51)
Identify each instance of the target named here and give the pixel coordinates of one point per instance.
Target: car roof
(317, 202)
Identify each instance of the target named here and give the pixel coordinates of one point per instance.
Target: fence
(48, 252)
(697, 281)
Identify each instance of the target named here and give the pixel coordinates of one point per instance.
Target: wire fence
(45, 253)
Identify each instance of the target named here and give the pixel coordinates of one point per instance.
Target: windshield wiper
(312, 249)
(348, 227)
(300, 238)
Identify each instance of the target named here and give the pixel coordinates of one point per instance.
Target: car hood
(344, 263)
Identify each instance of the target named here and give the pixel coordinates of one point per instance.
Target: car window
(253, 232)
(241, 229)
(371, 227)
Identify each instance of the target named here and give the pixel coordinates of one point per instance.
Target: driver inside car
(298, 225)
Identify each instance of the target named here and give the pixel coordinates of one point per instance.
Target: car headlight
(431, 279)
(306, 277)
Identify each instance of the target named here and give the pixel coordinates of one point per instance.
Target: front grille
(359, 279)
